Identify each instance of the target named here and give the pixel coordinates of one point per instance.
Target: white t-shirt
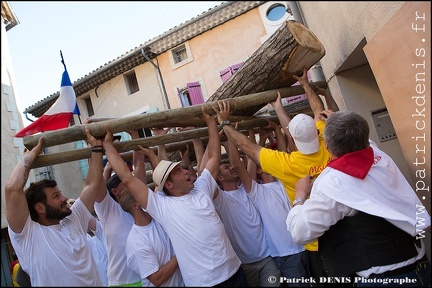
(57, 255)
(273, 205)
(116, 225)
(203, 250)
(243, 224)
(147, 248)
(97, 246)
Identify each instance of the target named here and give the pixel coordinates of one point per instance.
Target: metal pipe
(166, 102)
(25, 113)
(316, 70)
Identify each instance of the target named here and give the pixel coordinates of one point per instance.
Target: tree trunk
(178, 117)
(68, 156)
(272, 66)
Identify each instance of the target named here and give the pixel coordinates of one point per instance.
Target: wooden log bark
(68, 156)
(272, 66)
(178, 117)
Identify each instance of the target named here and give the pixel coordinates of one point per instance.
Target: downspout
(25, 113)
(166, 102)
(315, 70)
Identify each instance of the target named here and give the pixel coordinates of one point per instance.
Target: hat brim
(166, 174)
(308, 148)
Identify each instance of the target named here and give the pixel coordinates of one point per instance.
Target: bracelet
(98, 149)
(224, 123)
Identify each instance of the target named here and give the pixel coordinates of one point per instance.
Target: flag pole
(64, 65)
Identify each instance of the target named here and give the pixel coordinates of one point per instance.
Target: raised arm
(162, 153)
(281, 113)
(17, 210)
(239, 167)
(252, 150)
(331, 103)
(280, 137)
(151, 155)
(315, 101)
(138, 160)
(186, 161)
(199, 152)
(185, 156)
(213, 146)
(94, 178)
(136, 187)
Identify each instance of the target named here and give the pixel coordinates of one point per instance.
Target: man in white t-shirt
(97, 243)
(204, 252)
(243, 222)
(148, 248)
(48, 236)
(117, 223)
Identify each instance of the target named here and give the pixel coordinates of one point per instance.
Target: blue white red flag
(59, 114)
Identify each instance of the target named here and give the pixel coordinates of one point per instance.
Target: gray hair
(345, 132)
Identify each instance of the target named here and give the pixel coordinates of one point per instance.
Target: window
(131, 82)
(179, 54)
(276, 12)
(191, 95)
(227, 72)
(89, 105)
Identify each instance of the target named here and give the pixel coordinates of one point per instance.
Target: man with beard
(48, 236)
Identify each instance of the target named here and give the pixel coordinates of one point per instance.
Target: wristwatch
(225, 122)
(297, 200)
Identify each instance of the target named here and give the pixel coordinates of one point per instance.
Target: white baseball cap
(304, 132)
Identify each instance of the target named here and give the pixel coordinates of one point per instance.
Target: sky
(89, 34)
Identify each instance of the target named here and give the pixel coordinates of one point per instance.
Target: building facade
(365, 70)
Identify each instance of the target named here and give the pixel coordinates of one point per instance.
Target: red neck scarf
(356, 164)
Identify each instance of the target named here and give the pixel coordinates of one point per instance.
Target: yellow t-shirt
(290, 167)
(14, 273)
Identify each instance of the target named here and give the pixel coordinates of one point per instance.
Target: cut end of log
(305, 37)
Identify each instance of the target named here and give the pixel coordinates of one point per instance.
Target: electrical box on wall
(383, 125)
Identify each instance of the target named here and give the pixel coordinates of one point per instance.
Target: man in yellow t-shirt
(311, 156)
(14, 266)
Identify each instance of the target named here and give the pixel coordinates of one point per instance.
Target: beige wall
(341, 26)
(406, 36)
(213, 51)
(225, 45)
(112, 99)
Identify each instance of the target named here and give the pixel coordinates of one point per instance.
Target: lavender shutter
(235, 67)
(195, 93)
(226, 74)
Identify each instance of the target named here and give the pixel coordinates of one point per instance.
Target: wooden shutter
(195, 93)
(228, 72)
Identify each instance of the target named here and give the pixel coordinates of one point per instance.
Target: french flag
(59, 114)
